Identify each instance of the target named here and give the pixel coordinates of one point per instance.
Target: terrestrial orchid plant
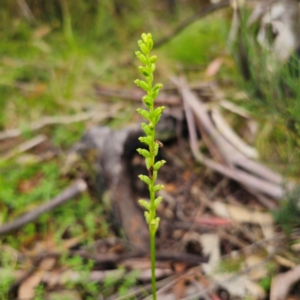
(152, 115)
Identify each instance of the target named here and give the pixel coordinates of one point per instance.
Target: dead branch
(24, 147)
(160, 256)
(136, 95)
(56, 120)
(223, 127)
(70, 192)
(253, 175)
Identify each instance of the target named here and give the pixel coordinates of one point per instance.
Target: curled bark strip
(114, 151)
(70, 192)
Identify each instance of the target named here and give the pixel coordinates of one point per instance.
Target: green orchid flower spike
(152, 115)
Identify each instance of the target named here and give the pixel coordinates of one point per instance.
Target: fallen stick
(24, 147)
(239, 167)
(55, 120)
(273, 190)
(231, 155)
(224, 128)
(136, 95)
(70, 192)
(194, 147)
(160, 256)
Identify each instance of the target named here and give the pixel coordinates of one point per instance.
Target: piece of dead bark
(114, 151)
(282, 283)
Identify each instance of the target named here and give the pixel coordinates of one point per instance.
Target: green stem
(152, 116)
(152, 208)
(152, 247)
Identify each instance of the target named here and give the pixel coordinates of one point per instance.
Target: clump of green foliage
(288, 216)
(230, 265)
(273, 86)
(152, 115)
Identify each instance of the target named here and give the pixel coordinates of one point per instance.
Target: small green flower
(152, 115)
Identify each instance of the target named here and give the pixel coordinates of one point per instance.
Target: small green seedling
(152, 115)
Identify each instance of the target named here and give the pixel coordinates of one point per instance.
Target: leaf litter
(187, 235)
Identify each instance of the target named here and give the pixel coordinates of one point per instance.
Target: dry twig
(70, 192)
(256, 177)
(24, 147)
(55, 120)
(136, 95)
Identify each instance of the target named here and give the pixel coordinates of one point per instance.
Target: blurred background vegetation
(52, 53)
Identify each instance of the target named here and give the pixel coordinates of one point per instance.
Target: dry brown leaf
(37, 90)
(26, 186)
(180, 267)
(69, 243)
(213, 221)
(241, 214)
(170, 187)
(284, 262)
(211, 247)
(258, 270)
(296, 247)
(292, 297)
(214, 67)
(239, 286)
(42, 31)
(179, 289)
(186, 175)
(28, 286)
